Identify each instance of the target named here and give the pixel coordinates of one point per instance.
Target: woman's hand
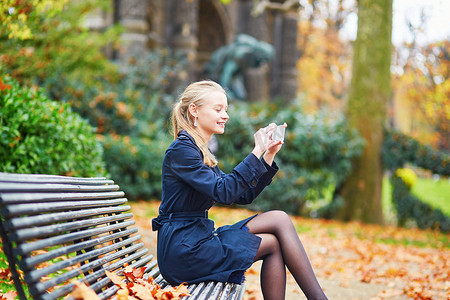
(264, 143)
(273, 149)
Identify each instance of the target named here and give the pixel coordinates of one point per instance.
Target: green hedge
(399, 150)
(43, 136)
(410, 207)
(132, 116)
(135, 163)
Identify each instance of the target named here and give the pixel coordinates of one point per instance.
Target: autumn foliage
(133, 286)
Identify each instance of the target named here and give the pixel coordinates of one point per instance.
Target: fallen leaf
(11, 295)
(5, 274)
(182, 290)
(132, 273)
(122, 294)
(140, 291)
(83, 292)
(116, 279)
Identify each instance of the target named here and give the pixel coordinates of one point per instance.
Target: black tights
(280, 247)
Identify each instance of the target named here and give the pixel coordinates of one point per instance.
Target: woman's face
(212, 116)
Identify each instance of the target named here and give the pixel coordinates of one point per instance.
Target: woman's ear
(193, 109)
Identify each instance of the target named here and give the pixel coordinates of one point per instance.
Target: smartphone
(278, 133)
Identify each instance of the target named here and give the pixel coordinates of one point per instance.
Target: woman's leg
(273, 270)
(279, 224)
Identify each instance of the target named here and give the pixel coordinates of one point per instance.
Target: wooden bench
(57, 229)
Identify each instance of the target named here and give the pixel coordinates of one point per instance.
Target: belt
(158, 222)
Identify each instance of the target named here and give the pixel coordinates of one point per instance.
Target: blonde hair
(195, 94)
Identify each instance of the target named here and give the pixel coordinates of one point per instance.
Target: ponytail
(182, 119)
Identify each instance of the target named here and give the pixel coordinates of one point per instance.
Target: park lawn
(436, 193)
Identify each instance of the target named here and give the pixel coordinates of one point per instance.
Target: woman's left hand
(273, 147)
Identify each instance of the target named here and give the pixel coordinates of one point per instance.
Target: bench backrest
(56, 229)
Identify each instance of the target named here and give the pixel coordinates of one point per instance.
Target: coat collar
(183, 134)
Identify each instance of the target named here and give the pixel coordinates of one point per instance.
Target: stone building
(198, 27)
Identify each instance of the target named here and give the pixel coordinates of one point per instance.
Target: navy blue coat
(189, 248)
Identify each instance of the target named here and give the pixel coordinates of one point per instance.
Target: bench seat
(57, 229)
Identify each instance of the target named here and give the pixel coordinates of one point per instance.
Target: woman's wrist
(269, 157)
(257, 152)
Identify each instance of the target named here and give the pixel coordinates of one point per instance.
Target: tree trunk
(366, 110)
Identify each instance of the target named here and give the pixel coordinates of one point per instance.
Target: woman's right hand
(263, 140)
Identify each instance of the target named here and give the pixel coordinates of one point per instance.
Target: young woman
(190, 249)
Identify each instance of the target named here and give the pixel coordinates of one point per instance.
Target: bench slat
(154, 273)
(26, 248)
(206, 291)
(32, 261)
(88, 266)
(198, 289)
(16, 198)
(217, 289)
(225, 292)
(143, 260)
(48, 187)
(49, 230)
(36, 178)
(36, 275)
(30, 221)
(38, 208)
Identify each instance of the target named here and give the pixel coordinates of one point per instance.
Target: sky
(436, 12)
(437, 21)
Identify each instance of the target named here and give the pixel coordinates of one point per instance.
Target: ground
(349, 260)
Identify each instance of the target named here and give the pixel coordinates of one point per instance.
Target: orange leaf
(4, 86)
(116, 279)
(140, 291)
(147, 284)
(132, 273)
(122, 294)
(182, 290)
(171, 293)
(11, 295)
(156, 291)
(139, 272)
(5, 274)
(83, 292)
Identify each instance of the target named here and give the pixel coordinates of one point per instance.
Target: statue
(228, 63)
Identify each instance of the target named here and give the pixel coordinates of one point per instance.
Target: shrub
(408, 176)
(136, 163)
(410, 207)
(399, 149)
(130, 105)
(131, 114)
(43, 136)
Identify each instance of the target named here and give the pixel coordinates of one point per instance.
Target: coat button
(253, 183)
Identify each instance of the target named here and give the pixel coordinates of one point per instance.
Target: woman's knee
(269, 245)
(279, 215)
(270, 222)
(281, 219)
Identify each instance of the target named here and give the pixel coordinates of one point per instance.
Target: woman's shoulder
(183, 143)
